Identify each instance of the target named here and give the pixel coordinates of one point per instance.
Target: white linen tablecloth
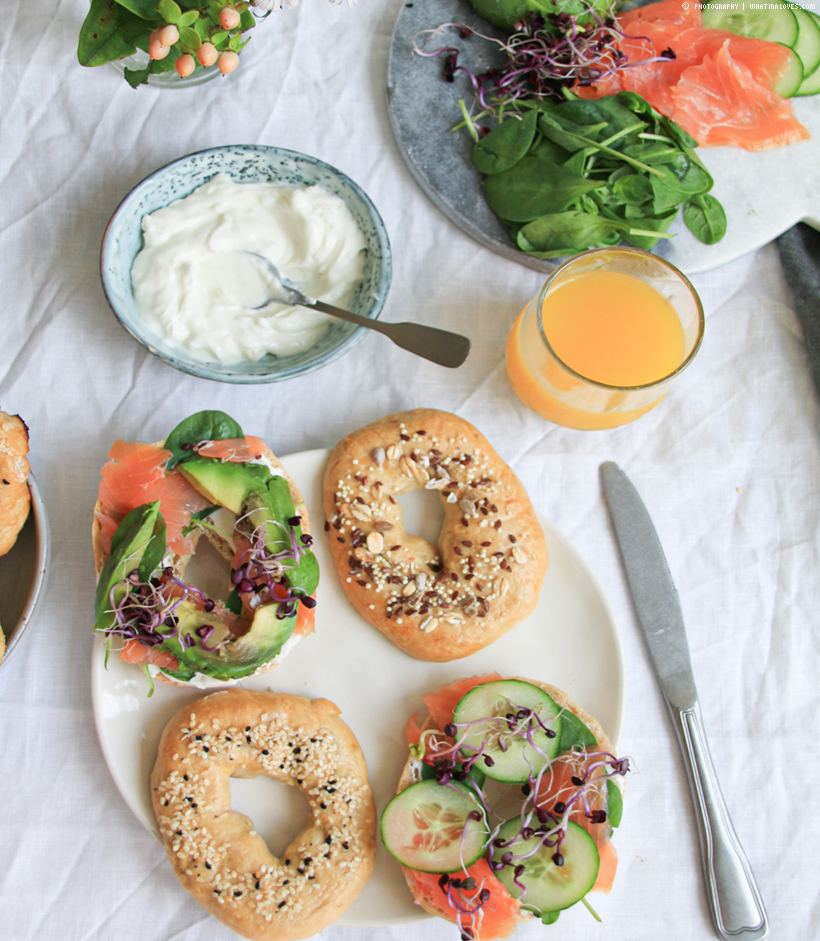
(728, 464)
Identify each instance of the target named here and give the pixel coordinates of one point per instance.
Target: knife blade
(735, 904)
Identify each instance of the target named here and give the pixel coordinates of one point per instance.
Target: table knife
(734, 900)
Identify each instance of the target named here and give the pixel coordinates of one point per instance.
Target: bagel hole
(423, 514)
(279, 811)
(208, 571)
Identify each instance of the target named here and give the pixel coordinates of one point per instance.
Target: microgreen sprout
(545, 812)
(545, 55)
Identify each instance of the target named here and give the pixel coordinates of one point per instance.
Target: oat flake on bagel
(439, 602)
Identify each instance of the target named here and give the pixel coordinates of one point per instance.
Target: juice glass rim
(625, 251)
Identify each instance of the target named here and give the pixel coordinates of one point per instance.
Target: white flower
(278, 4)
(274, 4)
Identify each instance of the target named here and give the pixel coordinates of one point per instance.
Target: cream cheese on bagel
(483, 577)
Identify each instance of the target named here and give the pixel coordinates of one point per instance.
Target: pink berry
(157, 51)
(168, 35)
(227, 62)
(207, 54)
(229, 18)
(185, 65)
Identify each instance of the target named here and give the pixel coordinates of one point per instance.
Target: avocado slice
(128, 546)
(251, 490)
(227, 483)
(237, 656)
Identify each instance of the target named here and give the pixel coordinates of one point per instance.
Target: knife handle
(734, 900)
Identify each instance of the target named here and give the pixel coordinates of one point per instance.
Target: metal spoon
(439, 346)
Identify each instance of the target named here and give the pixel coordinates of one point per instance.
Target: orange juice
(599, 346)
(613, 328)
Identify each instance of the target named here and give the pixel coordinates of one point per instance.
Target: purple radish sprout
(544, 55)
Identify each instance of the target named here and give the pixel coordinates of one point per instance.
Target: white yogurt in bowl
(196, 290)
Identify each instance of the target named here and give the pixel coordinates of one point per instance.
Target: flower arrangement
(176, 35)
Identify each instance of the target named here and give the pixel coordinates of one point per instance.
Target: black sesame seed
(282, 904)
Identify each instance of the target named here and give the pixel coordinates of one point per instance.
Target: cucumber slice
(512, 757)
(778, 25)
(791, 80)
(431, 827)
(811, 82)
(550, 888)
(808, 40)
(810, 85)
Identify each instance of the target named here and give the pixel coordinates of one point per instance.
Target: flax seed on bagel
(215, 851)
(439, 602)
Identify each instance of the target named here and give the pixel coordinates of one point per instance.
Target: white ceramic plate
(570, 640)
(23, 573)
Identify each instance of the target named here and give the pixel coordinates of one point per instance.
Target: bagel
(148, 519)
(216, 853)
(435, 603)
(508, 912)
(15, 499)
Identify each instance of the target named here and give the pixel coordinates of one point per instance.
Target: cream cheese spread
(195, 289)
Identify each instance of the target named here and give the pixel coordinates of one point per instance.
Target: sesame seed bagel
(439, 602)
(411, 773)
(215, 851)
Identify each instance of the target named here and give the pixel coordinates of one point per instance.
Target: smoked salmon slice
(499, 914)
(135, 474)
(758, 119)
(718, 86)
(248, 448)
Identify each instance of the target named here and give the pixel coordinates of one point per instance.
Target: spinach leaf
(534, 187)
(652, 152)
(566, 232)
(631, 188)
(633, 101)
(574, 732)
(548, 150)
(649, 224)
(614, 803)
(154, 550)
(108, 33)
(505, 145)
(676, 189)
(684, 138)
(704, 217)
(617, 114)
(203, 426)
(576, 163)
(568, 134)
(233, 602)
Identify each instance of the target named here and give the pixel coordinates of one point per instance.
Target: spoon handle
(438, 346)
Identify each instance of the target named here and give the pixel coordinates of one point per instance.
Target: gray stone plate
(23, 572)
(763, 193)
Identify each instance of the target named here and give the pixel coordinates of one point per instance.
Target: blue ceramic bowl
(244, 164)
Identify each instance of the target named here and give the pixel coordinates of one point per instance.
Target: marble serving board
(763, 193)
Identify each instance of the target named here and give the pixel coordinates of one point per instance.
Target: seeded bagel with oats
(216, 853)
(441, 602)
